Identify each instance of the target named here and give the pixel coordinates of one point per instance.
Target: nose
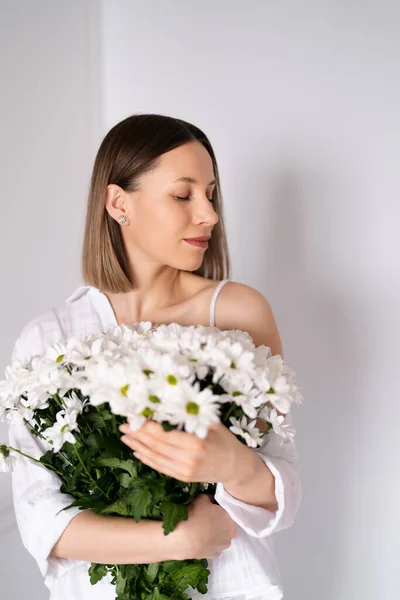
(206, 214)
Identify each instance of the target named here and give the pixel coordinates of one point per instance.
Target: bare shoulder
(242, 307)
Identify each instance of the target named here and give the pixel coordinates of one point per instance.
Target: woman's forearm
(108, 539)
(253, 483)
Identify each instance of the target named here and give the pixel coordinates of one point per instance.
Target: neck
(154, 290)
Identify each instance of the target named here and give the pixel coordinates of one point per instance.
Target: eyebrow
(191, 180)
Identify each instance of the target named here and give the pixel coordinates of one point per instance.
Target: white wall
(301, 103)
(301, 100)
(50, 130)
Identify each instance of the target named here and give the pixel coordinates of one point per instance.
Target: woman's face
(172, 204)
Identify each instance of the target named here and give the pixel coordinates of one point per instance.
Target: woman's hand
(208, 531)
(186, 457)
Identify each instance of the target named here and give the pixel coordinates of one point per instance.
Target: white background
(300, 100)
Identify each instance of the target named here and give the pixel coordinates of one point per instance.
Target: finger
(162, 466)
(149, 446)
(162, 441)
(183, 439)
(180, 439)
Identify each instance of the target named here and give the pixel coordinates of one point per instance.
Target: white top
(247, 570)
(214, 299)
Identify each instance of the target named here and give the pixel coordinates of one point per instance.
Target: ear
(115, 202)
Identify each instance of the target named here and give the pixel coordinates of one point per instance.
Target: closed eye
(188, 198)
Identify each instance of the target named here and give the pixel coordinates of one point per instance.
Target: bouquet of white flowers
(79, 392)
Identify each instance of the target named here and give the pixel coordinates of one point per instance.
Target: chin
(187, 265)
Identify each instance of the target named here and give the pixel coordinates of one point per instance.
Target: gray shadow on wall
(316, 324)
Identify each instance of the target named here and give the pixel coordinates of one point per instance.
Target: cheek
(160, 226)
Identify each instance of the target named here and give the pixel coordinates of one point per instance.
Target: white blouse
(247, 570)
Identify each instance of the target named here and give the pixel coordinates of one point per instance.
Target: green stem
(116, 430)
(229, 412)
(58, 400)
(43, 438)
(36, 460)
(88, 474)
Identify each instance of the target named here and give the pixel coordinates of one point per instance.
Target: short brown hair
(130, 149)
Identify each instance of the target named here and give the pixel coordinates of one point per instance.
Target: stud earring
(122, 219)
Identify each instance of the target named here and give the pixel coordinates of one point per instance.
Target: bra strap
(214, 299)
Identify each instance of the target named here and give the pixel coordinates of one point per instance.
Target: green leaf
(157, 595)
(140, 500)
(96, 420)
(121, 583)
(171, 566)
(125, 480)
(151, 571)
(93, 441)
(132, 572)
(95, 501)
(120, 507)
(202, 587)
(188, 575)
(172, 514)
(115, 463)
(97, 572)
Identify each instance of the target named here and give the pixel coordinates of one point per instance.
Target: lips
(198, 242)
(205, 238)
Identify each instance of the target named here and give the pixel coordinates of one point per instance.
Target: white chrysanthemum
(165, 365)
(51, 378)
(229, 359)
(122, 341)
(215, 353)
(135, 408)
(148, 371)
(192, 409)
(238, 336)
(19, 414)
(73, 403)
(55, 352)
(61, 431)
(275, 366)
(136, 421)
(281, 398)
(18, 380)
(262, 380)
(105, 383)
(249, 402)
(185, 345)
(142, 402)
(96, 345)
(240, 390)
(37, 399)
(295, 393)
(174, 337)
(247, 430)
(166, 387)
(261, 355)
(276, 382)
(286, 431)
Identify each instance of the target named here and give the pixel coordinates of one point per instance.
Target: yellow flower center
(148, 413)
(192, 408)
(155, 399)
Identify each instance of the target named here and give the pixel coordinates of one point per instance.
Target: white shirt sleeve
(283, 462)
(36, 490)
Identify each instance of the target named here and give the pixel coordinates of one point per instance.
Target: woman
(155, 250)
